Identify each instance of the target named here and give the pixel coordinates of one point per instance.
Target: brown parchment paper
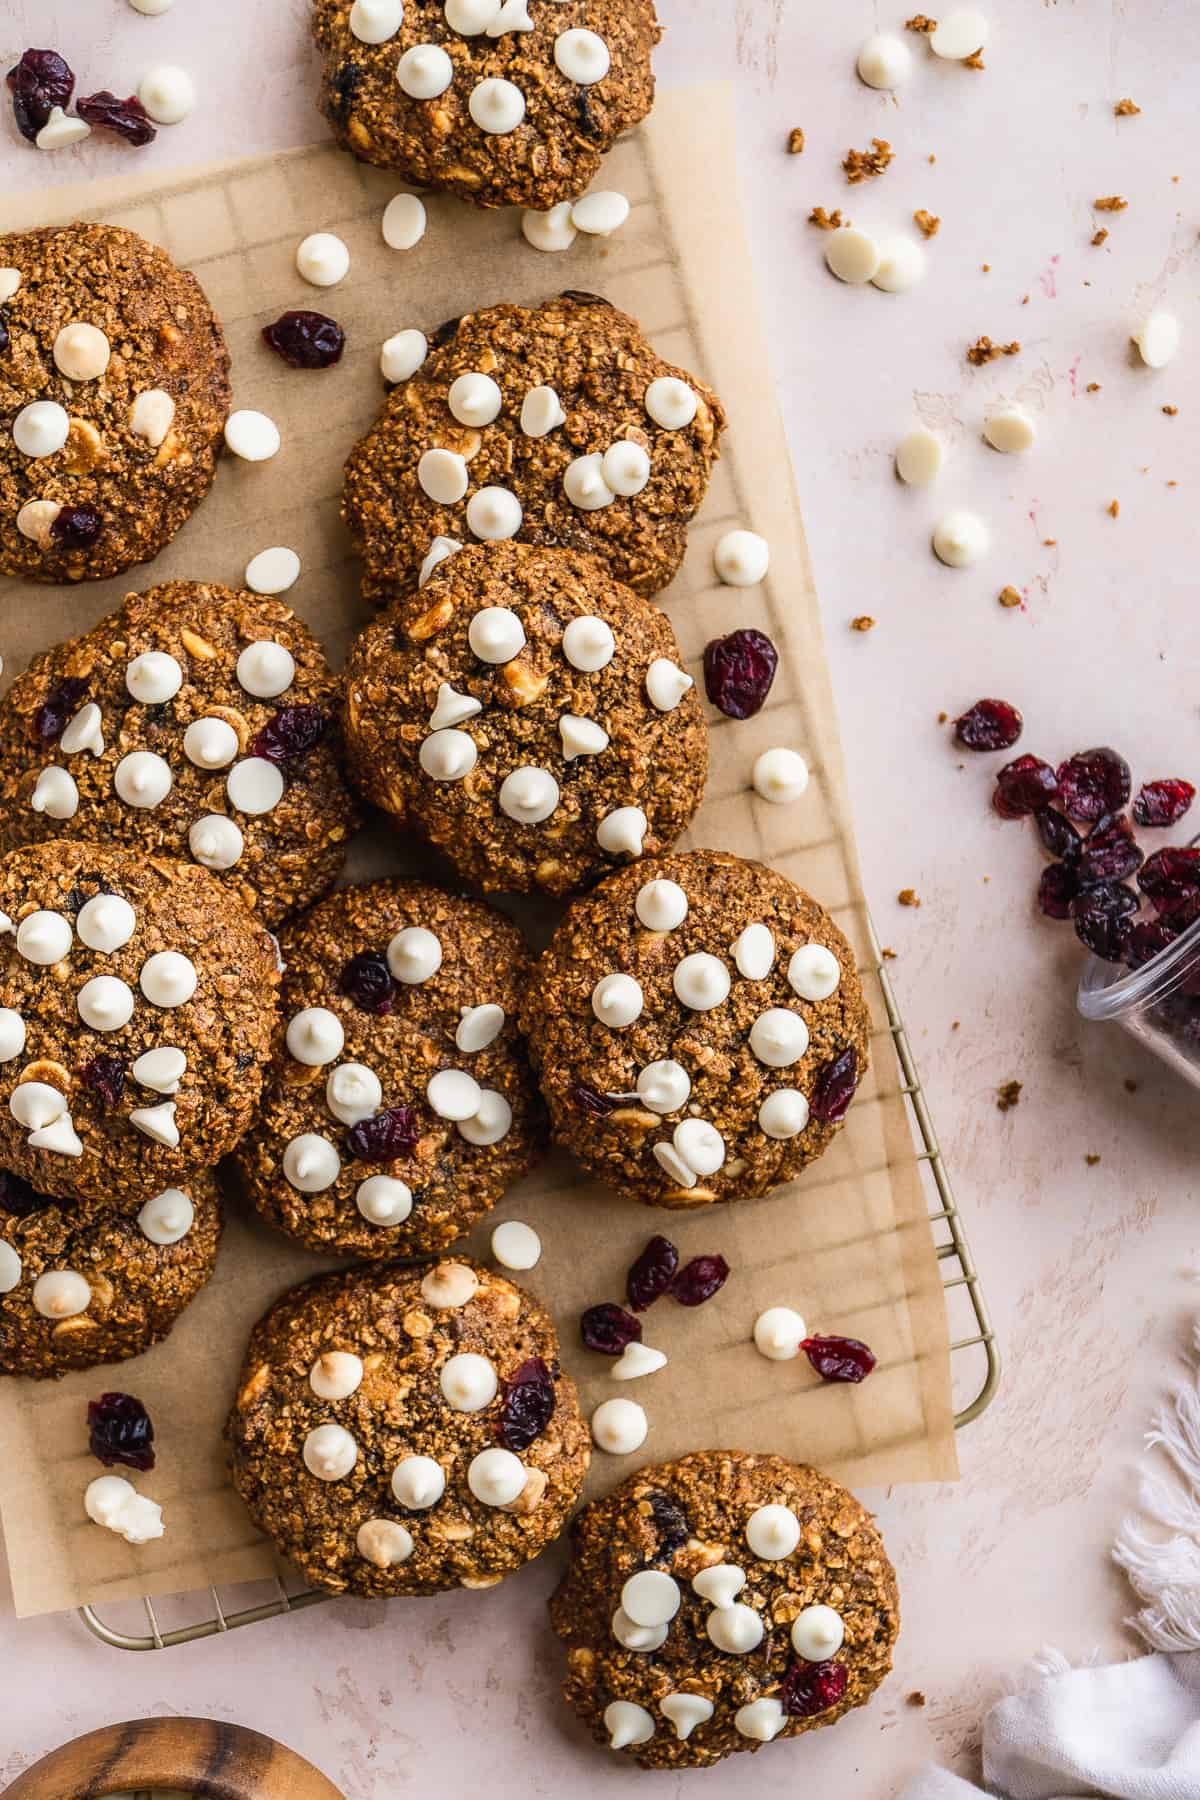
(849, 1245)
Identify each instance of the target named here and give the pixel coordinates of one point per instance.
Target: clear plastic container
(1159, 1004)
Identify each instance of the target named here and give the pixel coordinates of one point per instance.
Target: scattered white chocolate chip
(61, 1294)
(10, 1267)
(959, 34)
(153, 678)
(470, 17)
(779, 775)
(496, 1477)
(497, 106)
(424, 71)
(491, 1123)
(315, 1036)
(960, 539)
(35, 1104)
(55, 794)
(311, 1164)
(383, 1200)
(384, 1542)
(157, 1123)
(478, 1027)
(168, 93)
(474, 399)
(761, 1719)
(266, 669)
(418, 1482)
(778, 1333)
(817, 1633)
(778, 1037)
(651, 1597)
(59, 1136)
(453, 1094)
(142, 779)
(637, 1360)
(449, 1284)
(601, 213)
(741, 558)
(901, 265)
(619, 1427)
(84, 732)
(438, 551)
(1010, 430)
(336, 1375)
(273, 571)
(625, 467)
(685, 1711)
(783, 1114)
(152, 415)
(664, 1086)
(375, 21)
(772, 1532)
(720, 1584)
(404, 221)
(814, 972)
(115, 1503)
(452, 708)
(443, 476)
(168, 1217)
(81, 352)
(516, 1245)
(701, 981)
(168, 979)
(254, 786)
(754, 952)
(661, 905)
(541, 411)
(40, 429)
(161, 1070)
(581, 737)
(670, 402)
(447, 755)
(12, 1034)
(919, 456)
(622, 832)
(468, 1382)
(851, 255)
(528, 795)
(401, 356)
(736, 1629)
(885, 61)
(330, 1453)
(496, 634)
(626, 1723)
(353, 1092)
(666, 684)
(584, 484)
(215, 842)
(210, 743)
(414, 955)
(251, 435)
(44, 937)
(59, 131)
(513, 16)
(617, 1000)
(581, 56)
(645, 1639)
(550, 230)
(322, 259)
(699, 1145)
(1157, 339)
(588, 643)
(10, 281)
(105, 1003)
(36, 518)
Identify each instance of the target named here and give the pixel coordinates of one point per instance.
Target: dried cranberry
(1102, 919)
(1094, 782)
(3, 333)
(1170, 878)
(1057, 833)
(105, 1075)
(367, 980)
(608, 1329)
(390, 1134)
(670, 1523)
(1110, 853)
(293, 731)
(1023, 786)
(811, 1688)
(1162, 802)
(739, 670)
(306, 340)
(989, 725)
(1145, 940)
(1056, 890)
(40, 81)
(77, 527)
(528, 1405)
(651, 1274)
(57, 710)
(19, 1198)
(839, 1358)
(120, 1430)
(591, 1100)
(833, 1090)
(128, 118)
(699, 1280)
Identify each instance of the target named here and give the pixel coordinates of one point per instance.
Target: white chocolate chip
(754, 953)
(61, 1294)
(699, 1145)
(550, 230)
(700, 981)
(168, 979)
(670, 402)
(901, 265)
(497, 106)
(383, 1200)
(651, 1597)
(720, 1584)
(588, 643)
(817, 1633)
(622, 832)
(315, 1036)
(142, 779)
(645, 1639)
(168, 1217)
(919, 457)
(10, 1267)
(452, 708)
(619, 1427)
(251, 435)
(661, 905)
(59, 1136)
(1157, 339)
(496, 634)
(330, 1453)
(210, 743)
(885, 61)
(375, 21)
(851, 255)
(266, 669)
(478, 1027)
(10, 281)
(215, 842)
(664, 1086)
(35, 1104)
(353, 1092)
(437, 553)
(55, 794)
(443, 476)
(735, 1629)
(685, 1711)
(160, 1070)
(741, 558)
(59, 131)
(581, 737)
(404, 221)
(35, 520)
(84, 732)
(778, 1333)
(778, 1037)
(491, 1123)
(157, 1123)
(1010, 430)
(336, 1375)
(474, 399)
(666, 684)
(617, 1000)
(779, 775)
(40, 429)
(513, 16)
(637, 1360)
(105, 1003)
(447, 755)
(322, 259)
(273, 571)
(496, 1477)
(783, 1114)
(494, 514)
(516, 1245)
(541, 412)
(311, 1163)
(168, 94)
(44, 938)
(154, 678)
(254, 786)
(581, 56)
(772, 1532)
(470, 17)
(453, 1095)
(960, 539)
(414, 955)
(600, 213)
(384, 1542)
(424, 72)
(418, 1482)
(814, 972)
(450, 1285)
(12, 1034)
(761, 1719)
(959, 34)
(670, 1161)
(529, 795)
(81, 351)
(626, 1723)
(401, 356)
(468, 1382)
(152, 415)
(113, 1502)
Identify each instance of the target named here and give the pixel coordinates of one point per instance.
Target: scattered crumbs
(1008, 1095)
(1049, 543)
(887, 953)
(1008, 596)
(1110, 203)
(1098, 237)
(956, 1024)
(1024, 299)
(933, 159)
(985, 268)
(928, 223)
(1114, 509)
(1126, 109)
(1131, 1086)
(917, 1698)
(920, 23)
(975, 60)
(1093, 387)
(1172, 484)
(858, 165)
(1170, 411)
(942, 717)
(795, 141)
(909, 897)
(864, 622)
(1173, 178)
(984, 351)
(827, 221)
(1091, 1159)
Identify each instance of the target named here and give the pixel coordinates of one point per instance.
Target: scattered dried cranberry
(699, 1280)
(306, 340)
(1056, 890)
(128, 118)
(57, 710)
(989, 725)
(77, 527)
(367, 980)
(120, 1430)
(1170, 878)
(1110, 853)
(811, 1688)
(292, 732)
(105, 1075)
(1023, 786)
(1162, 802)
(528, 1405)
(1145, 940)
(1057, 833)
(40, 81)
(833, 1090)
(739, 670)
(3, 333)
(1094, 782)
(591, 1100)
(608, 1329)
(1102, 920)
(390, 1134)
(19, 1198)
(670, 1522)
(651, 1274)
(839, 1358)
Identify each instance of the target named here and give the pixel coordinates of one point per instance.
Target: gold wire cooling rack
(974, 1363)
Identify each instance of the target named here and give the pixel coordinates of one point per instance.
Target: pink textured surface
(1086, 1267)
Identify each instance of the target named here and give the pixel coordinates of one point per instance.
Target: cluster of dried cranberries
(43, 80)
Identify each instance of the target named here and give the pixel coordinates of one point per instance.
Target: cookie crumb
(1110, 203)
(1009, 596)
(1131, 1086)
(932, 158)
(916, 1698)
(985, 268)
(887, 953)
(975, 60)
(956, 1024)
(984, 351)
(1126, 109)
(864, 622)
(920, 23)
(1093, 387)
(927, 223)
(942, 717)
(1170, 411)
(1114, 509)
(858, 165)
(1098, 237)
(908, 897)
(795, 141)
(1008, 1095)
(1091, 1159)
(827, 221)
(1049, 543)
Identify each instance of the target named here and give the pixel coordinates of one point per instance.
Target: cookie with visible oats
(85, 1282)
(399, 1104)
(528, 713)
(504, 102)
(193, 723)
(114, 390)
(720, 1602)
(404, 1431)
(554, 424)
(698, 1028)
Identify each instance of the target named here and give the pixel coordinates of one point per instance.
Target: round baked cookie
(506, 104)
(530, 716)
(499, 456)
(84, 1282)
(114, 389)
(698, 1028)
(721, 1601)
(137, 1001)
(399, 1105)
(195, 722)
(402, 1431)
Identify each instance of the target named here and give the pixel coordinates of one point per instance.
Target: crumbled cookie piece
(1170, 411)
(1091, 1159)
(1126, 109)
(927, 223)
(975, 60)
(1131, 1086)
(859, 165)
(984, 351)
(1113, 509)
(908, 897)
(887, 953)
(864, 622)
(921, 24)
(1008, 596)
(1100, 237)
(916, 1698)
(827, 221)
(1110, 203)
(1008, 1095)
(795, 141)
(1093, 387)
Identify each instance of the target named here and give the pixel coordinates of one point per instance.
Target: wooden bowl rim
(175, 1753)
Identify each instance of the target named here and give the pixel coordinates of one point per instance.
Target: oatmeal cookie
(403, 1431)
(698, 1028)
(85, 1282)
(558, 424)
(194, 722)
(507, 104)
(721, 1601)
(137, 1001)
(114, 390)
(399, 1104)
(530, 716)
